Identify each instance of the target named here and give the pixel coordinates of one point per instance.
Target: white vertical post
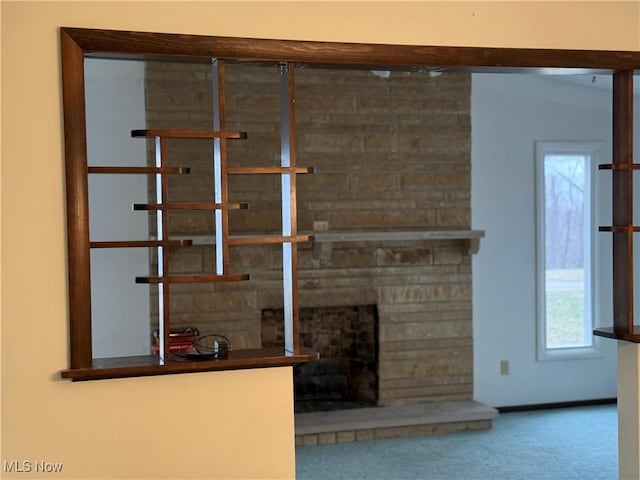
(160, 255)
(628, 410)
(287, 247)
(217, 168)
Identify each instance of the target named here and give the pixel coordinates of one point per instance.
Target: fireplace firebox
(346, 337)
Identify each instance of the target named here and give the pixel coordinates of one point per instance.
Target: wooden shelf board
(141, 243)
(609, 332)
(140, 170)
(268, 170)
(619, 166)
(195, 278)
(189, 206)
(188, 134)
(263, 240)
(148, 365)
(620, 229)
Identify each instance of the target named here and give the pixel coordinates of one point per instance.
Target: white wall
(115, 106)
(509, 114)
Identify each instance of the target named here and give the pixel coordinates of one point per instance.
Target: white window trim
(567, 353)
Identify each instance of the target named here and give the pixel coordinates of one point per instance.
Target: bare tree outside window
(566, 220)
(565, 226)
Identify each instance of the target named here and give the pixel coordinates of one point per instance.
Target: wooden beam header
(200, 48)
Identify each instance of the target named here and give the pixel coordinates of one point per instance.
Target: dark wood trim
(619, 166)
(141, 243)
(150, 365)
(140, 170)
(620, 229)
(221, 101)
(146, 45)
(623, 202)
(268, 170)
(189, 206)
(75, 147)
(195, 278)
(267, 239)
(293, 192)
(614, 334)
(204, 134)
(78, 43)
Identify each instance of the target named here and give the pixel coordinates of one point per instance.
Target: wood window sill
(147, 365)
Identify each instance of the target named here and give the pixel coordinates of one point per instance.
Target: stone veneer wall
(389, 153)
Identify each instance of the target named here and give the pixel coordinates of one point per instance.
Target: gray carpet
(560, 444)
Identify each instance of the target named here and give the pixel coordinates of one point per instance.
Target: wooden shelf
(84, 367)
(141, 243)
(620, 229)
(189, 206)
(141, 170)
(264, 240)
(619, 166)
(195, 278)
(237, 240)
(188, 134)
(609, 332)
(268, 170)
(150, 364)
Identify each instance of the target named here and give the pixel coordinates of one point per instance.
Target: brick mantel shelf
(471, 237)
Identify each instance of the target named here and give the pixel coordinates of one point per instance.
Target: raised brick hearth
(390, 422)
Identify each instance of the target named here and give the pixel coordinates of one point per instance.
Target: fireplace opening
(346, 337)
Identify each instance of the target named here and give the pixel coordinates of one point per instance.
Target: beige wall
(233, 424)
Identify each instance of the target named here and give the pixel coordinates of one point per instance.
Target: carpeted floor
(561, 444)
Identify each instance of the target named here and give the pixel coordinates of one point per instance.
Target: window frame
(589, 149)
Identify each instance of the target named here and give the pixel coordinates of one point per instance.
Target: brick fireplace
(390, 155)
(423, 298)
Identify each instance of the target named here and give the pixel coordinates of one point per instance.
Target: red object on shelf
(180, 341)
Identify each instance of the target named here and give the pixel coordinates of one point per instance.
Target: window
(565, 229)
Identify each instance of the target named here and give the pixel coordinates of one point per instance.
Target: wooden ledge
(148, 365)
(139, 170)
(194, 278)
(171, 133)
(609, 332)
